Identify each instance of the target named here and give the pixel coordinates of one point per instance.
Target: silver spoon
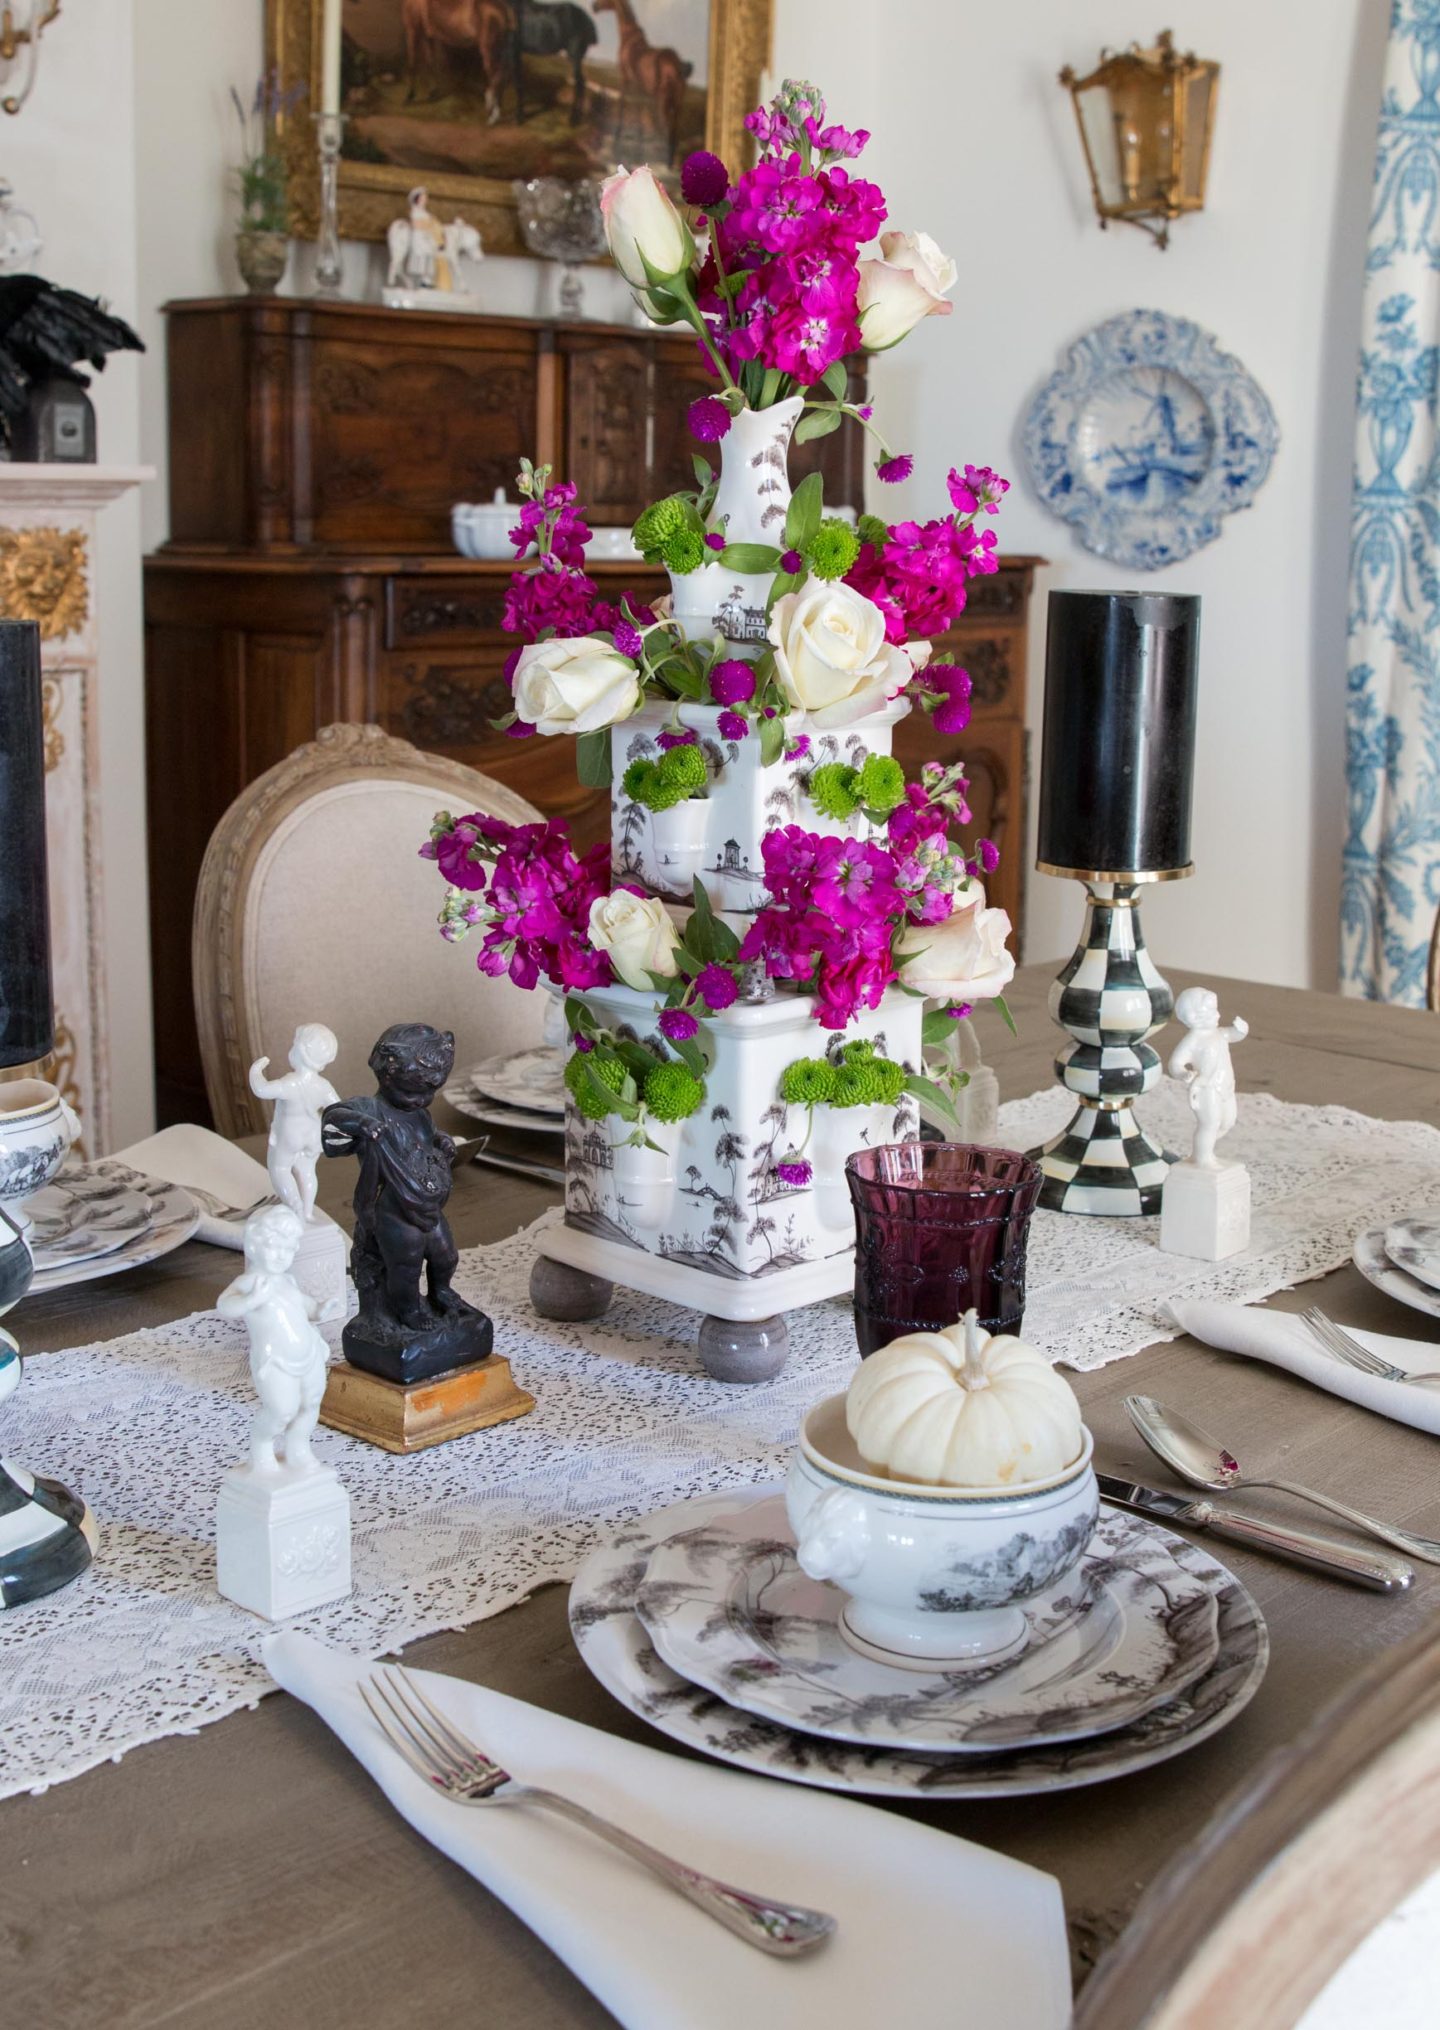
(1198, 1458)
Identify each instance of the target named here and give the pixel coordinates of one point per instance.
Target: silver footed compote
(561, 222)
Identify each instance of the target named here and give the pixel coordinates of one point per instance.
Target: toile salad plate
(617, 1649)
(728, 1607)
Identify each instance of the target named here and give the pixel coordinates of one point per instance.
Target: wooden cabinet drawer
(445, 612)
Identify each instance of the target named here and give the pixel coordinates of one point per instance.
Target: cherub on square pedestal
(301, 1096)
(282, 1530)
(420, 1361)
(1205, 1211)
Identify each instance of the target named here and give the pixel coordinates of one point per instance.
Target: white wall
(70, 155)
(974, 141)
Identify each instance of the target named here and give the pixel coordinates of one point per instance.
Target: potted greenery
(262, 243)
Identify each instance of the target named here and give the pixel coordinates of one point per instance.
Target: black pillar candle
(27, 1020)
(1118, 752)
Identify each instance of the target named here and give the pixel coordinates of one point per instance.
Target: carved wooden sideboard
(315, 452)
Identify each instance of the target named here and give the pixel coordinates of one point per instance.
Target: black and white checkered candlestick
(1110, 998)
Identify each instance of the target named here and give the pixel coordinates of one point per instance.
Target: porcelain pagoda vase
(750, 506)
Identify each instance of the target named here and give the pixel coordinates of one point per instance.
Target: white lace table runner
(142, 1646)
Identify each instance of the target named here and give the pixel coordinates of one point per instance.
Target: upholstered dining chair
(314, 906)
(1432, 971)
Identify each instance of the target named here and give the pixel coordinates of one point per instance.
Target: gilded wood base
(404, 1419)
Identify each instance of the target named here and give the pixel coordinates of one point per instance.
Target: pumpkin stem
(973, 1374)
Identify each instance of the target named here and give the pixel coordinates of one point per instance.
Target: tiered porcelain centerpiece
(747, 977)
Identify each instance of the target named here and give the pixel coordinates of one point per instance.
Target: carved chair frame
(222, 968)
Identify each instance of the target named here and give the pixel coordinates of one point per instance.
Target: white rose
(637, 933)
(642, 225)
(965, 958)
(831, 655)
(574, 686)
(909, 283)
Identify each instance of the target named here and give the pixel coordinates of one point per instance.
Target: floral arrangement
(261, 176)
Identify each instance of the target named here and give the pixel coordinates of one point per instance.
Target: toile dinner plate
(727, 1606)
(475, 1107)
(172, 1218)
(84, 1213)
(617, 1650)
(1414, 1245)
(1375, 1265)
(533, 1080)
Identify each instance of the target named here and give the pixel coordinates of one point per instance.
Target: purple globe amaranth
(893, 470)
(716, 987)
(704, 179)
(731, 726)
(709, 419)
(732, 682)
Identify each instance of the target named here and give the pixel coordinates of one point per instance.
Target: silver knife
(1378, 1570)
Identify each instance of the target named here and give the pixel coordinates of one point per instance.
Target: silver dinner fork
(435, 1748)
(1339, 1343)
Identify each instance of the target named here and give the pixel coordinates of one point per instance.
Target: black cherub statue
(401, 1232)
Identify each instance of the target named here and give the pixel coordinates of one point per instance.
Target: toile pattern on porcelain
(728, 1608)
(616, 1648)
(1376, 1266)
(1414, 1245)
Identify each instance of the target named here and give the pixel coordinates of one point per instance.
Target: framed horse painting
(466, 95)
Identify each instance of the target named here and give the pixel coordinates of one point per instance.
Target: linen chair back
(314, 906)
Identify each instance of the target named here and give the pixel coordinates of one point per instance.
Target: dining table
(252, 1873)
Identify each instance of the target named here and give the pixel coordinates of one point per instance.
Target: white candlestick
(330, 58)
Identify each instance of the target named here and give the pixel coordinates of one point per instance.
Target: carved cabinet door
(607, 427)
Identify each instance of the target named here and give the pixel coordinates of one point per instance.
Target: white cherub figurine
(288, 1357)
(1201, 1061)
(301, 1096)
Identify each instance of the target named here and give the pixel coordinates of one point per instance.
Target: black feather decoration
(46, 331)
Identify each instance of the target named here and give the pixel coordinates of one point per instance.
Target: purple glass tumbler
(940, 1229)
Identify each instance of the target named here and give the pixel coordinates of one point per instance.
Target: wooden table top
(252, 1873)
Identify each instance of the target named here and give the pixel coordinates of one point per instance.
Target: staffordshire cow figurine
(404, 1332)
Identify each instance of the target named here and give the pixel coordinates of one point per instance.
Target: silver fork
(1338, 1342)
(436, 1749)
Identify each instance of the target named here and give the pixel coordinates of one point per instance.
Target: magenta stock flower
(678, 1024)
(980, 490)
(952, 686)
(451, 852)
(836, 141)
(709, 418)
(731, 726)
(704, 179)
(537, 906)
(628, 639)
(987, 854)
(732, 682)
(716, 987)
(559, 509)
(893, 470)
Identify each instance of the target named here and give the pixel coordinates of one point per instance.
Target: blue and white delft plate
(1147, 437)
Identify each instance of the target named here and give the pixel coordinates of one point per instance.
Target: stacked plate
(700, 1621)
(95, 1219)
(1403, 1260)
(525, 1091)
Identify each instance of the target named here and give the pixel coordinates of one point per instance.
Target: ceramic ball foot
(743, 1351)
(559, 1291)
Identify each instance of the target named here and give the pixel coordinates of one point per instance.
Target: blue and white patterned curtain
(1391, 880)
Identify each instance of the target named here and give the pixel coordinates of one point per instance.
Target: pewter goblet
(561, 222)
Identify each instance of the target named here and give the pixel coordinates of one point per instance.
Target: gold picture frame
(371, 194)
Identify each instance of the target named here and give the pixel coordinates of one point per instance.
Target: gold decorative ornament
(434, 85)
(50, 702)
(1145, 118)
(21, 38)
(42, 578)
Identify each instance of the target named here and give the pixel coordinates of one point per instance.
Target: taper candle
(27, 1019)
(330, 58)
(1118, 751)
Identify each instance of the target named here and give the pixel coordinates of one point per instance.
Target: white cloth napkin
(1285, 1341)
(203, 1162)
(933, 1929)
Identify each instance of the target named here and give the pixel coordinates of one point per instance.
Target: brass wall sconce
(22, 23)
(1145, 117)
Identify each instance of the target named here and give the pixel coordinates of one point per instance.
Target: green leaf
(704, 471)
(700, 930)
(1006, 1017)
(780, 584)
(836, 378)
(937, 1027)
(637, 1060)
(614, 1103)
(772, 741)
(690, 1055)
(592, 758)
(933, 1095)
(819, 423)
(806, 511)
(751, 558)
(578, 1016)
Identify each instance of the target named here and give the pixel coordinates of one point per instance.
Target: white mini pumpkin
(959, 1408)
